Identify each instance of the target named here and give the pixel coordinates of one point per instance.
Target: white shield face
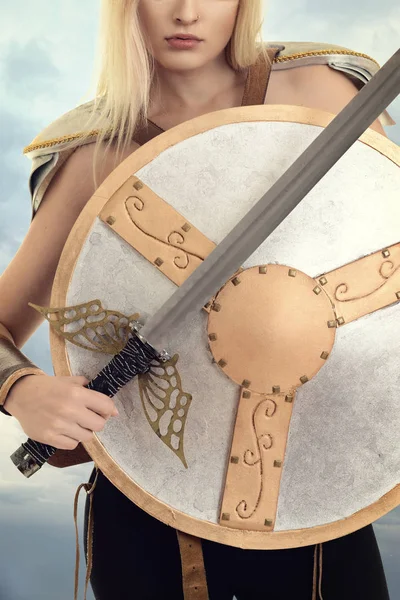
(339, 449)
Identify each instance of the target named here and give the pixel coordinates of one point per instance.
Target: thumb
(80, 380)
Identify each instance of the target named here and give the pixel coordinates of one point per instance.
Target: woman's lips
(181, 44)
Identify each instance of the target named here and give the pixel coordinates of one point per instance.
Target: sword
(225, 260)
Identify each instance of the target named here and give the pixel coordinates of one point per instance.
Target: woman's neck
(187, 94)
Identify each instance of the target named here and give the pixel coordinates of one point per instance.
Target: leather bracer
(13, 365)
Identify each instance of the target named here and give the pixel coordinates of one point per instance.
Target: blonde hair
(127, 69)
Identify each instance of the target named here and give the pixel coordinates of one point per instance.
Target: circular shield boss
(276, 422)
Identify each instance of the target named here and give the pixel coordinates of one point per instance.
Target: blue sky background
(47, 55)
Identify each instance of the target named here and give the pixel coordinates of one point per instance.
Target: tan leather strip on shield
(257, 338)
(194, 579)
(365, 285)
(255, 467)
(156, 230)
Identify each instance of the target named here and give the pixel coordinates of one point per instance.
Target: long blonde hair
(127, 70)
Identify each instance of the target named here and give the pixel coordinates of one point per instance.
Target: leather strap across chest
(254, 94)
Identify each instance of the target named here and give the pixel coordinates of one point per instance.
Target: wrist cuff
(13, 365)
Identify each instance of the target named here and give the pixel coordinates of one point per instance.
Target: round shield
(275, 423)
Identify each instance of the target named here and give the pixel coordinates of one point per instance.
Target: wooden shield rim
(158, 509)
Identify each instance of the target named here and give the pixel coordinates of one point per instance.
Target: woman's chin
(182, 60)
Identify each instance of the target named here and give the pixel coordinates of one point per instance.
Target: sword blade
(276, 204)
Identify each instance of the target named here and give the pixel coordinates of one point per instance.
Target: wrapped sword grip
(135, 358)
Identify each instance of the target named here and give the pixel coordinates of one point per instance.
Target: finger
(75, 435)
(99, 403)
(64, 442)
(79, 380)
(89, 420)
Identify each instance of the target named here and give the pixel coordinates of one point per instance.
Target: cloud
(48, 567)
(353, 12)
(15, 133)
(28, 68)
(47, 52)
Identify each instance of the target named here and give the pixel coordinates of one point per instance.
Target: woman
(134, 554)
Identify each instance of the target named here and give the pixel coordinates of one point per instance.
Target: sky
(47, 56)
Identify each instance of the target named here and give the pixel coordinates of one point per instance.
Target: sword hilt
(135, 358)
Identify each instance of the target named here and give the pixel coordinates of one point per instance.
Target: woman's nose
(186, 12)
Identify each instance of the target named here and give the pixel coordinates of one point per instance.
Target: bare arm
(59, 411)
(29, 276)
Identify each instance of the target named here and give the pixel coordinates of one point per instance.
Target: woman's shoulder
(305, 53)
(356, 66)
(60, 132)
(54, 144)
(326, 76)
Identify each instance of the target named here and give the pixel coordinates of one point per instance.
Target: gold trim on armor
(322, 53)
(59, 140)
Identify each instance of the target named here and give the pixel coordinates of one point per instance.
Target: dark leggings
(136, 557)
